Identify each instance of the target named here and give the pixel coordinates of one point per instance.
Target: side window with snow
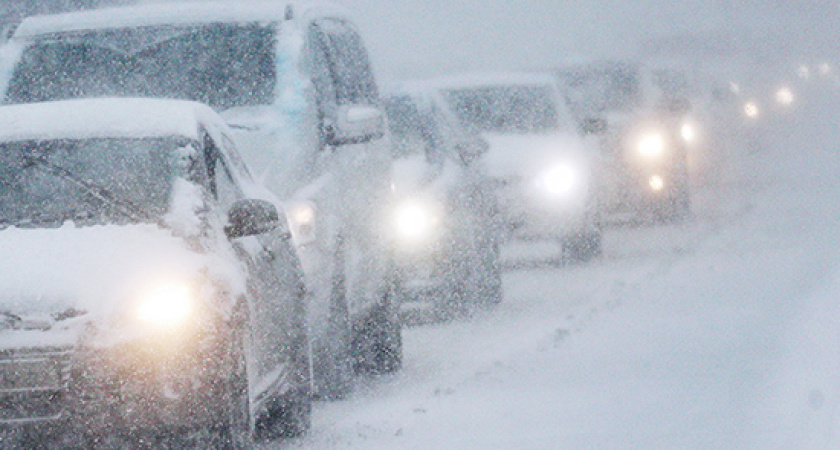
(222, 186)
(348, 61)
(323, 81)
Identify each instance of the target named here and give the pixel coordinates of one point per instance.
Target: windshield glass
(88, 181)
(412, 133)
(222, 65)
(607, 89)
(505, 109)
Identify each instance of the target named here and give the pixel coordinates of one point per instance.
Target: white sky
(421, 38)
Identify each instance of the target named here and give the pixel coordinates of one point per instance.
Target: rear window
(222, 65)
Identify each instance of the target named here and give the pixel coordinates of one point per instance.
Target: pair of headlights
(653, 144)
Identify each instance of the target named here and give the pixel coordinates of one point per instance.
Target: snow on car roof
(106, 117)
(169, 14)
(491, 79)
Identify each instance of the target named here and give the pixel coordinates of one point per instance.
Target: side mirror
(593, 125)
(471, 149)
(250, 217)
(357, 124)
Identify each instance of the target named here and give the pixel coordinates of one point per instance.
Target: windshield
(222, 65)
(90, 181)
(606, 89)
(505, 109)
(412, 132)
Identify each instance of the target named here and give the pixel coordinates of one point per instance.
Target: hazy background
(422, 38)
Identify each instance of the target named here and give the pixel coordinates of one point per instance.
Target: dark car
(445, 219)
(149, 288)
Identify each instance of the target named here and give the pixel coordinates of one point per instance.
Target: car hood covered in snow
(51, 278)
(514, 155)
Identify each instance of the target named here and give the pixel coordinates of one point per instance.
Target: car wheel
(288, 417)
(235, 431)
(377, 343)
(332, 362)
(583, 247)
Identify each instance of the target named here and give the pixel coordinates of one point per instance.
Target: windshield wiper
(100, 193)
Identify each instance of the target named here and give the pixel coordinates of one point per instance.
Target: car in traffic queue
(149, 288)
(294, 82)
(445, 218)
(543, 169)
(645, 144)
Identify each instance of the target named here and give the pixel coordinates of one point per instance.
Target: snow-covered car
(446, 237)
(543, 168)
(645, 146)
(294, 82)
(148, 286)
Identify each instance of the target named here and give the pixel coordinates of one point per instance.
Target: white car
(148, 286)
(646, 146)
(543, 168)
(294, 82)
(446, 239)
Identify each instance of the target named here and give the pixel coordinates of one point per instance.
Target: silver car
(148, 286)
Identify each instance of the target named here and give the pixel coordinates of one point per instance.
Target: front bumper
(127, 388)
(529, 213)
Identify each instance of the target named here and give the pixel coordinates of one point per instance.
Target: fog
(703, 321)
(417, 38)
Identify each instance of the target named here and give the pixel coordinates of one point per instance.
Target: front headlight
(166, 305)
(415, 220)
(751, 110)
(688, 132)
(784, 96)
(651, 145)
(559, 180)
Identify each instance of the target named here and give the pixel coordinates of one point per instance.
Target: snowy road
(718, 333)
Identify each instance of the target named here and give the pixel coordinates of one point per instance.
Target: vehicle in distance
(542, 166)
(445, 219)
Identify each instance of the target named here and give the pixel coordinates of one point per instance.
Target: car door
(278, 337)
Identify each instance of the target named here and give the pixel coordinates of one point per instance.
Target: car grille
(33, 384)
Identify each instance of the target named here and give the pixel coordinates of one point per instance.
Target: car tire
(377, 340)
(288, 417)
(236, 432)
(332, 360)
(583, 247)
(486, 284)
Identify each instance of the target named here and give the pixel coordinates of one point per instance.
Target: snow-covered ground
(723, 332)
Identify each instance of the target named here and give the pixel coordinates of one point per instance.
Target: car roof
(479, 79)
(186, 13)
(106, 118)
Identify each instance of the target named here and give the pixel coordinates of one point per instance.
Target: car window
(348, 60)
(412, 133)
(222, 184)
(222, 65)
(505, 108)
(68, 177)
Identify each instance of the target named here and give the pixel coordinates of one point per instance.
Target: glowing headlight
(804, 72)
(559, 180)
(656, 183)
(784, 96)
(825, 69)
(751, 110)
(687, 132)
(166, 305)
(414, 220)
(652, 145)
(303, 214)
